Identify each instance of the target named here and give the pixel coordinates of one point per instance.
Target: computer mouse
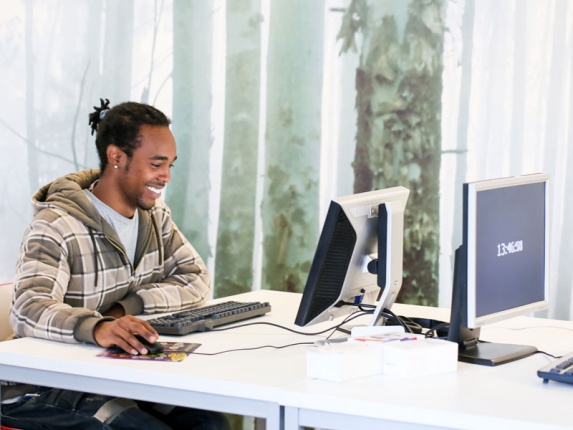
(152, 348)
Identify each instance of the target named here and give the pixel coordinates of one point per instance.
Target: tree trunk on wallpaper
(399, 87)
(188, 191)
(30, 96)
(117, 54)
(290, 202)
(236, 231)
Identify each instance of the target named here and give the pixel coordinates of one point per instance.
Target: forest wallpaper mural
(278, 106)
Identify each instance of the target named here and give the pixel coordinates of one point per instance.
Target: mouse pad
(172, 351)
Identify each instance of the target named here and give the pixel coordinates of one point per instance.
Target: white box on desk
(420, 357)
(343, 361)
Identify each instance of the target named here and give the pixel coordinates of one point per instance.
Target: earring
(115, 167)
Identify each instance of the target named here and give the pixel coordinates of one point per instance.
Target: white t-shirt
(126, 228)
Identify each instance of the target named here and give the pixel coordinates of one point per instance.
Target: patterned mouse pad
(172, 351)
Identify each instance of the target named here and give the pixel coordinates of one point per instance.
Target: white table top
(474, 397)
(198, 381)
(258, 382)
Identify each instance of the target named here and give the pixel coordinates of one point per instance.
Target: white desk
(272, 384)
(510, 396)
(245, 383)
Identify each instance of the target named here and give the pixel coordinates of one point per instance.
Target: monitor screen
(501, 269)
(358, 258)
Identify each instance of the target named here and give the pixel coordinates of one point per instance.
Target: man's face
(144, 176)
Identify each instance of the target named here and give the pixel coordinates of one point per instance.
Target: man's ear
(114, 155)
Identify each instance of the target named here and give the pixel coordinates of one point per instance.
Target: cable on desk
(549, 355)
(334, 328)
(433, 331)
(409, 325)
(253, 348)
(368, 309)
(346, 320)
(406, 323)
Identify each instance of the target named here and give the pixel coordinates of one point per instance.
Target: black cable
(386, 313)
(412, 326)
(360, 306)
(556, 357)
(268, 323)
(396, 318)
(253, 348)
(434, 330)
(349, 318)
(334, 328)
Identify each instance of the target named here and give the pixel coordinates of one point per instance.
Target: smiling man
(101, 248)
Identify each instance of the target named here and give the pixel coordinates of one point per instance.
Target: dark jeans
(55, 409)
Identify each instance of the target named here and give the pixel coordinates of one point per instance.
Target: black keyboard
(207, 317)
(560, 369)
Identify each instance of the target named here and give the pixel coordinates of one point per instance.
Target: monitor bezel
(473, 189)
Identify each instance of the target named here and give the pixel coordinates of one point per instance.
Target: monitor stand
(470, 348)
(493, 354)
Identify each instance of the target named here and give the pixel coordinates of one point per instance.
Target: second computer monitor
(501, 268)
(358, 258)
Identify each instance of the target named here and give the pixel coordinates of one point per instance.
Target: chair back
(6, 292)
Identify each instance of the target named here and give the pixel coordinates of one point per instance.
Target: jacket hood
(67, 193)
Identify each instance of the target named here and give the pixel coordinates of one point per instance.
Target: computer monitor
(359, 256)
(501, 268)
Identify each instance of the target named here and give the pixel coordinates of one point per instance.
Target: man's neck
(107, 193)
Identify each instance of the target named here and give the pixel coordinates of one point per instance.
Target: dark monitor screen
(358, 258)
(501, 268)
(510, 248)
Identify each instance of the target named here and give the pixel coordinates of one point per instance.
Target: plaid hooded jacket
(73, 267)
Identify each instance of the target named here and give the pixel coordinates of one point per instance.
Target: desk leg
(291, 418)
(273, 418)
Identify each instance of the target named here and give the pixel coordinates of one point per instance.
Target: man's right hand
(120, 332)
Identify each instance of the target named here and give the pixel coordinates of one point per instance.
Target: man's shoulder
(51, 214)
(57, 219)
